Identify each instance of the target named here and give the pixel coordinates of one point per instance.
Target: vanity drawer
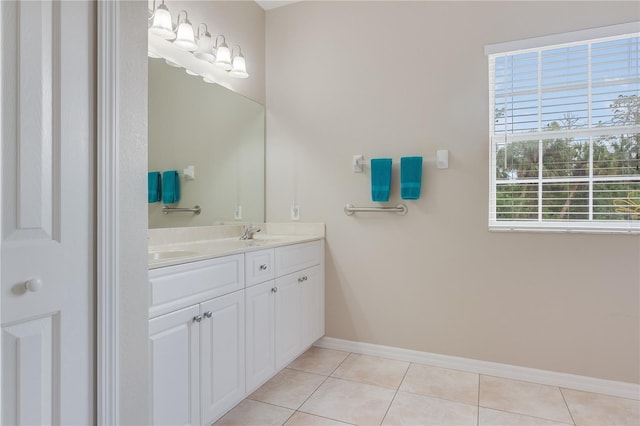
(259, 266)
(298, 256)
(174, 287)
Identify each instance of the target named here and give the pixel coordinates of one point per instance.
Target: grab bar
(167, 210)
(401, 209)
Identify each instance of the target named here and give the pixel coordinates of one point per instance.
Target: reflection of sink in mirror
(170, 254)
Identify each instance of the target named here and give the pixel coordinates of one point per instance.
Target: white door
(260, 359)
(287, 319)
(174, 346)
(47, 133)
(222, 382)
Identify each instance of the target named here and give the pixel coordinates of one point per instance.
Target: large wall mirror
(216, 130)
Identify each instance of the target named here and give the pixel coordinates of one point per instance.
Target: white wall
(406, 78)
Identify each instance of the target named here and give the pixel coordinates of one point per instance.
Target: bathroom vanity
(225, 316)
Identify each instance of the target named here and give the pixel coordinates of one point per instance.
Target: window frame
(539, 44)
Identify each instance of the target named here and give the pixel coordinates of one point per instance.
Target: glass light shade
(185, 39)
(239, 69)
(205, 49)
(161, 25)
(223, 57)
(172, 64)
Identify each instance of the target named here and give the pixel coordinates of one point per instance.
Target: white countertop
(192, 251)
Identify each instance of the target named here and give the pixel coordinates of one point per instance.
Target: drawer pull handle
(263, 267)
(301, 279)
(197, 318)
(274, 290)
(208, 314)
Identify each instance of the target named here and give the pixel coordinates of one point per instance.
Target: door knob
(33, 284)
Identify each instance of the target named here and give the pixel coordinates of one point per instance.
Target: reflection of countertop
(192, 251)
(173, 246)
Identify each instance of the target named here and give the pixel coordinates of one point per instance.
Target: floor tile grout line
(404, 376)
(567, 404)
(325, 417)
(312, 393)
(529, 415)
(341, 362)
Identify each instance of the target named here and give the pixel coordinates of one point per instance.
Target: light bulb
(239, 69)
(161, 25)
(185, 39)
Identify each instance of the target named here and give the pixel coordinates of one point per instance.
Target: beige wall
(396, 79)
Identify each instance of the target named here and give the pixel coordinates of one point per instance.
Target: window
(565, 132)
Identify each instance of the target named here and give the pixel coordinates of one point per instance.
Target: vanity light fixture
(239, 65)
(223, 54)
(161, 22)
(205, 45)
(184, 34)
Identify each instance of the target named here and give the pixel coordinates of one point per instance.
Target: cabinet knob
(274, 290)
(197, 318)
(208, 314)
(33, 284)
(263, 267)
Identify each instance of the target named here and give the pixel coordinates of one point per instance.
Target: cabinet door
(260, 339)
(311, 306)
(221, 355)
(287, 319)
(173, 349)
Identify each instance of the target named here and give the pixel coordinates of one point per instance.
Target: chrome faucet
(249, 231)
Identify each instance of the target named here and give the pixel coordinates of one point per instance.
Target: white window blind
(565, 136)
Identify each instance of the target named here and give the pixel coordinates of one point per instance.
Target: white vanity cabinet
(197, 351)
(222, 380)
(285, 316)
(174, 346)
(219, 328)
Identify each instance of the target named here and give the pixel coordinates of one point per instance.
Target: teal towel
(410, 177)
(154, 193)
(170, 187)
(380, 179)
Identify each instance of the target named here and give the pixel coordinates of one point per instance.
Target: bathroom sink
(170, 254)
(260, 240)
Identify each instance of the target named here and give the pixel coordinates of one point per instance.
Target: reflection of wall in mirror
(216, 130)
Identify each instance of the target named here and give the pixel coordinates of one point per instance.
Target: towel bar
(167, 210)
(401, 209)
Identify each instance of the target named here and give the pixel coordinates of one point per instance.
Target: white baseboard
(552, 378)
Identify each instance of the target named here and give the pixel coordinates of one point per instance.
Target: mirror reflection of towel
(170, 187)
(154, 192)
(380, 179)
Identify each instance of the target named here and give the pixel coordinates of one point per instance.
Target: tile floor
(328, 387)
